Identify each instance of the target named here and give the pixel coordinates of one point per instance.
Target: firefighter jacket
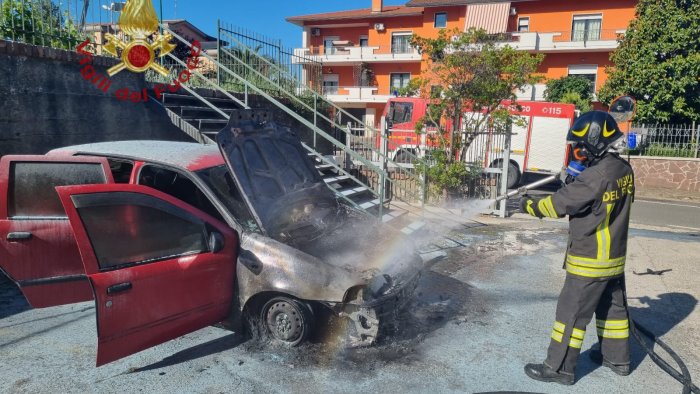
(598, 204)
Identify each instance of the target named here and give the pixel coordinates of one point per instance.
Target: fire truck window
(121, 170)
(401, 112)
(32, 186)
(178, 186)
(124, 234)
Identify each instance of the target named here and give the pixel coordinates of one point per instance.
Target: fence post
(279, 64)
(423, 174)
(694, 140)
(504, 170)
(315, 113)
(384, 149)
(218, 51)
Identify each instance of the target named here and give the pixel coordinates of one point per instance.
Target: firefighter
(597, 198)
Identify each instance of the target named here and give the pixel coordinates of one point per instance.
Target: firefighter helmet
(594, 132)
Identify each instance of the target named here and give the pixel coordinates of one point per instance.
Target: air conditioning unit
(316, 32)
(379, 27)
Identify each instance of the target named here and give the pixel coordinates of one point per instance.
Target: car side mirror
(216, 242)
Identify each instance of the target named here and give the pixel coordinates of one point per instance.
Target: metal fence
(267, 56)
(57, 24)
(664, 140)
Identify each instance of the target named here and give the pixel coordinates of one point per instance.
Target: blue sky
(262, 16)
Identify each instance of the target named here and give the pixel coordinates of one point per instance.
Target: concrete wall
(667, 173)
(45, 103)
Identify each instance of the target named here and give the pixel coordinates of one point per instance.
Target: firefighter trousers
(578, 300)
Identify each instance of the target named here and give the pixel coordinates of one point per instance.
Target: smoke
(469, 209)
(442, 223)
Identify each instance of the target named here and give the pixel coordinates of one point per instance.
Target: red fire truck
(538, 146)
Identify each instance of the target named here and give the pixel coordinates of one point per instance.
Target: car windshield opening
(221, 183)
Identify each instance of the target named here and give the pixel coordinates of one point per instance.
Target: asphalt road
(680, 215)
(478, 316)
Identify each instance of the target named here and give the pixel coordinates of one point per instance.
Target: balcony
(601, 40)
(354, 94)
(346, 55)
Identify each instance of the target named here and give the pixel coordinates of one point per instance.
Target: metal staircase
(207, 122)
(367, 178)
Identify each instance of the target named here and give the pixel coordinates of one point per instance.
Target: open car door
(37, 247)
(159, 268)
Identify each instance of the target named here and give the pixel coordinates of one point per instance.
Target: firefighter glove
(528, 205)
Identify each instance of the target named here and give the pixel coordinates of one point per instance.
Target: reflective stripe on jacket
(598, 204)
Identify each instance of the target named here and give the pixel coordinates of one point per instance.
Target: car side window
(178, 186)
(142, 230)
(32, 192)
(121, 170)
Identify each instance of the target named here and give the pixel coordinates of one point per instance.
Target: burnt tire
(286, 320)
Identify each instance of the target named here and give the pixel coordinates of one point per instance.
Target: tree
(557, 88)
(411, 89)
(658, 62)
(468, 70)
(582, 104)
(38, 22)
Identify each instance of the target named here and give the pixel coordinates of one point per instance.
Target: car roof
(188, 155)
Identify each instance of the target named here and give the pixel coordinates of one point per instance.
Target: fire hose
(684, 375)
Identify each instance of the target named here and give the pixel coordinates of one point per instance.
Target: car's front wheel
(287, 320)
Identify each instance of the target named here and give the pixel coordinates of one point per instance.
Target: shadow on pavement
(660, 316)
(438, 300)
(215, 346)
(12, 300)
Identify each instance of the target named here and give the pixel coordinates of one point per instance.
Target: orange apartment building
(366, 53)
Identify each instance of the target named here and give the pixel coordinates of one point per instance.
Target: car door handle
(18, 236)
(119, 288)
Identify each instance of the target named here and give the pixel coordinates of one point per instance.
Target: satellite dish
(623, 109)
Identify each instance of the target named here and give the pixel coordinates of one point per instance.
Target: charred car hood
(278, 179)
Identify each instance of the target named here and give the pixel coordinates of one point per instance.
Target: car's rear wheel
(287, 320)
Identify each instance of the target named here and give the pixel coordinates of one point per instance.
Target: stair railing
(290, 112)
(304, 89)
(405, 195)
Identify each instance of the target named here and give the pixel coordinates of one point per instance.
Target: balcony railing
(360, 53)
(569, 40)
(330, 90)
(357, 94)
(590, 35)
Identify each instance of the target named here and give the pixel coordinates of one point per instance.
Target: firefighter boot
(543, 373)
(620, 369)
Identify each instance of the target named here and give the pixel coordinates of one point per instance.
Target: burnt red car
(168, 238)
